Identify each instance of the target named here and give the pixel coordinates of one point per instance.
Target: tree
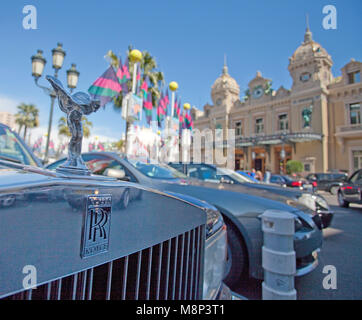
(294, 166)
(27, 117)
(149, 68)
(118, 145)
(63, 129)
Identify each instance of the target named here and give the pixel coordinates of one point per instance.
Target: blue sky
(188, 39)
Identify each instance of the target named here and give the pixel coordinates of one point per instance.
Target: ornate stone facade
(318, 121)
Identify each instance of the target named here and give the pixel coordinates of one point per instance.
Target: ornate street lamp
(72, 77)
(38, 63)
(58, 57)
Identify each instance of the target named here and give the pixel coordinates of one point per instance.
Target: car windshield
(234, 175)
(156, 171)
(11, 148)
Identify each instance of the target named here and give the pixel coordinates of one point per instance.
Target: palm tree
(27, 117)
(149, 69)
(119, 145)
(63, 129)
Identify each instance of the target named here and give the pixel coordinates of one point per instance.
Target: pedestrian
(259, 175)
(267, 175)
(253, 173)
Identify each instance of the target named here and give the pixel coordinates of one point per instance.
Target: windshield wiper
(9, 159)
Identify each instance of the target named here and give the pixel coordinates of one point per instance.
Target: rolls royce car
(351, 190)
(241, 213)
(71, 237)
(234, 181)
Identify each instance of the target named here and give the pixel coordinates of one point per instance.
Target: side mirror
(116, 173)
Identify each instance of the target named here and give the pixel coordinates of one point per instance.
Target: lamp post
(135, 56)
(173, 87)
(282, 157)
(185, 140)
(38, 62)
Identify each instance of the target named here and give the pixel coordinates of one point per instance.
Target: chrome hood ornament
(75, 106)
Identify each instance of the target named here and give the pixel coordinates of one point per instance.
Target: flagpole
(134, 80)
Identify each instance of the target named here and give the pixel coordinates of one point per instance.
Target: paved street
(341, 248)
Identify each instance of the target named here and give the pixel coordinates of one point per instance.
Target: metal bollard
(278, 256)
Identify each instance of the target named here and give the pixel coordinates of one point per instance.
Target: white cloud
(8, 104)
(42, 131)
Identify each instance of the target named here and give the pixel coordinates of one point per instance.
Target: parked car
(291, 196)
(75, 232)
(241, 213)
(330, 182)
(351, 190)
(248, 176)
(12, 148)
(287, 181)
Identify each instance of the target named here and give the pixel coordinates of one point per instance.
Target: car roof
(32, 155)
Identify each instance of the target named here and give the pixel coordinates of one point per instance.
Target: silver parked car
(241, 212)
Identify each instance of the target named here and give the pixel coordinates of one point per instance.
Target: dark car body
(330, 182)
(240, 210)
(290, 196)
(287, 181)
(351, 190)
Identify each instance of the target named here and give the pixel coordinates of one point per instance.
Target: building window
(355, 113)
(283, 122)
(354, 77)
(238, 128)
(357, 160)
(259, 125)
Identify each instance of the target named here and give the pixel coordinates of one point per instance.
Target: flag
(144, 88)
(166, 100)
(119, 72)
(125, 71)
(161, 112)
(188, 121)
(147, 107)
(100, 146)
(176, 109)
(105, 87)
(125, 76)
(138, 79)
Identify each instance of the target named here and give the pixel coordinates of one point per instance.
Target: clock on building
(304, 77)
(258, 92)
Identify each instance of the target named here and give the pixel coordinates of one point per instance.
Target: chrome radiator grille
(169, 270)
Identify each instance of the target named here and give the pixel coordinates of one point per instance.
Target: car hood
(225, 198)
(265, 191)
(11, 177)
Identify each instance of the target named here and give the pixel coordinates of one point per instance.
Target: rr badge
(97, 224)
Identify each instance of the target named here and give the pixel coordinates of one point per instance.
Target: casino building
(317, 121)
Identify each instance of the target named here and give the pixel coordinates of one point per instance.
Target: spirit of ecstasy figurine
(75, 106)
